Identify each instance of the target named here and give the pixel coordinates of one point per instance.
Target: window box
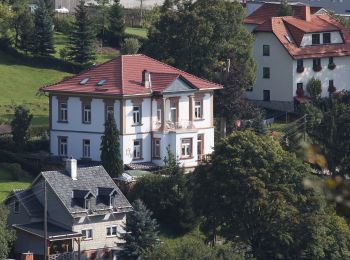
(300, 69)
(300, 90)
(317, 68)
(332, 66)
(317, 65)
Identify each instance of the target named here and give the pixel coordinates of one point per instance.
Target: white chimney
(71, 168)
(146, 77)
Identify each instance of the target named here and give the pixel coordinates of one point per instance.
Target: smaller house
(86, 213)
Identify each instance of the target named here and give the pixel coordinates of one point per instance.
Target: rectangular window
(316, 39)
(159, 112)
(198, 109)
(156, 148)
(316, 64)
(87, 114)
(136, 113)
(62, 146)
(87, 234)
(109, 111)
(88, 204)
(173, 112)
(86, 148)
(300, 63)
(16, 207)
(200, 146)
(266, 73)
(63, 112)
(326, 38)
(331, 83)
(137, 154)
(266, 95)
(299, 86)
(266, 50)
(111, 231)
(186, 148)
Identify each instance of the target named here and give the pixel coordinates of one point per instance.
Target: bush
(63, 23)
(130, 46)
(38, 131)
(29, 166)
(314, 88)
(17, 173)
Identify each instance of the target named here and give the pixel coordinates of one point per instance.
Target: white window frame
(156, 148)
(63, 112)
(85, 237)
(136, 115)
(61, 145)
(198, 113)
(86, 148)
(137, 149)
(110, 229)
(186, 147)
(159, 112)
(173, 112)
(87, 113)
(88, 204)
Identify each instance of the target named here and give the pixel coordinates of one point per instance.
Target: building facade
(86, 214)
(291, 50)
(155, 106)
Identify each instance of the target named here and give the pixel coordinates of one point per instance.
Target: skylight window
(101, 82)
(84, 81)
(288, 38)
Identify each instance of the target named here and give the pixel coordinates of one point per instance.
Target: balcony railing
(169, 125)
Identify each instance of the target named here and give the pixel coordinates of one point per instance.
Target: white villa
(154, 106)
(291, 50)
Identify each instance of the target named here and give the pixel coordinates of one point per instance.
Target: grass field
(7, 182)
(19, 85)
(136, 31)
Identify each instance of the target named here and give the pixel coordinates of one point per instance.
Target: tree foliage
(7, 236)
(43, 27)
(110, 149)
(116, 27)
(314, 88)
(254, 190)
(20, 125)
(82, 37)
(285, 9)
(6, 16)
(141, 232)
(24, 25)
(130, 46)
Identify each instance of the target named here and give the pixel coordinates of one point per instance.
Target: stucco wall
(340, 74)
(280, 64)
(307, 39)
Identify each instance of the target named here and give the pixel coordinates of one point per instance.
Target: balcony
(174, 126)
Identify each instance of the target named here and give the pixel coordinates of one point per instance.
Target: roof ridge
(188, 74)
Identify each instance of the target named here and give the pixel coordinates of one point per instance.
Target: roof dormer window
(101, 82)
(84, 81)
(315, 39)
(326, 38)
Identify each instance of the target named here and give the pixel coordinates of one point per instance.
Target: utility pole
(45, 222)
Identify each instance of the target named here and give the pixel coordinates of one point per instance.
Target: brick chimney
(306, 13)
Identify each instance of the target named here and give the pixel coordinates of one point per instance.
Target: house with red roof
(155, 106)
(290, 50)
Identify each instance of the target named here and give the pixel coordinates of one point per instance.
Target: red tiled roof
(123, 76)
(269, 10)
(290, 30)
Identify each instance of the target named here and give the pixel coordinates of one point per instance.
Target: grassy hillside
(136, 31)
(19, 85)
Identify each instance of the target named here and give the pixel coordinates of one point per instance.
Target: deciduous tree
(7, 236)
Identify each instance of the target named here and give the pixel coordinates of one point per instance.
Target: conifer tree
(82, 37)
(110, 149)
(25, 30)
(285, 9)
(20, 125)
(43, 26)
(116, 24)
(141, 233)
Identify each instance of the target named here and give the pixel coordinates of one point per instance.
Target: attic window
(101, 82)
(84, 81)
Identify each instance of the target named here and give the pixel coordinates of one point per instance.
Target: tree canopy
(20, 125)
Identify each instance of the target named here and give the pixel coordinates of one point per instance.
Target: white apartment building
(290, 50)
(155, 106)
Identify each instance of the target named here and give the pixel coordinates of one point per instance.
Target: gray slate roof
(29, 202)
(88, 178)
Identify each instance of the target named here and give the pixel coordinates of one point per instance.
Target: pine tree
(43, 26)
(110, 149)
(25, 31)
(141, 233)
(116, 24)
(82, 37)
(20, 125)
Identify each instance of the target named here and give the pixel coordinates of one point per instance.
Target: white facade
(172, 132)
(283, 78)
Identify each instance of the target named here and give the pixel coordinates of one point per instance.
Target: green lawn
(136, 31)
(7, 182)
(19, 85)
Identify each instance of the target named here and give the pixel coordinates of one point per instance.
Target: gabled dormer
(107, 196)
(83, 199)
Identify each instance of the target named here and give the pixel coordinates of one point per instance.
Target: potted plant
(332, 66)
(317, 68)
(300, 69)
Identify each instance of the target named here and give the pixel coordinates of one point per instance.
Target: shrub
(314, 88)
(130, 46)
(63, 23)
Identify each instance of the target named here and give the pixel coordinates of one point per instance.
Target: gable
(178, 85)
